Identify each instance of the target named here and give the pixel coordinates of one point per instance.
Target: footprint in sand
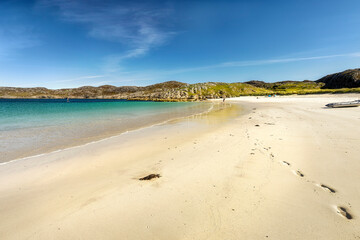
(285, 163)
(300, 174)
(327, 188)
(344, 212)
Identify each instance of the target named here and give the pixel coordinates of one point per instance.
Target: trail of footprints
(342, 211)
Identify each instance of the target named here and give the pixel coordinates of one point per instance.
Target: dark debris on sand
(149, 177)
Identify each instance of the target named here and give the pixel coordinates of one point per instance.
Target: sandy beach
(262, 168)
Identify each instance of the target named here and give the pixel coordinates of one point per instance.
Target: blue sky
(71, 43)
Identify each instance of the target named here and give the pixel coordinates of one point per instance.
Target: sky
(72, 43)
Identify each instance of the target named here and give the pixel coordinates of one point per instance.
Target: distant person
(223, 99)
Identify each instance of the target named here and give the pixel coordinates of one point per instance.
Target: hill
(178, 91)
(346, 79)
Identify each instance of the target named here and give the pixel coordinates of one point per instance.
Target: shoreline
(159, 124)
(98, 138)
(265, 170)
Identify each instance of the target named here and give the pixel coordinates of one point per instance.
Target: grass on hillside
(218, 90)
(194, 91)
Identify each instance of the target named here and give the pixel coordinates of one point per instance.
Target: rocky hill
(177, 91)
(346, 79)
(167, 90)
(306, 84)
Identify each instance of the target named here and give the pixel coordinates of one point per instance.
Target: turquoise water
(31, 127)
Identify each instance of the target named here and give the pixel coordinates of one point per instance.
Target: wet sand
(272, 168)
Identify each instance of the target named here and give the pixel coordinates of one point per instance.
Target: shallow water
(30, 127)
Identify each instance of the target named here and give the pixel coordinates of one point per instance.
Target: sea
(30, 127)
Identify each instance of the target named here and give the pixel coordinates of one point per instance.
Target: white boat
(355, 103)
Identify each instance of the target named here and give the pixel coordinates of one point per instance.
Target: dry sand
(280, 170)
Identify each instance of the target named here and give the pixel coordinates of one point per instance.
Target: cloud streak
(258, 63)
(15, 37)
(79, 78)
(139, 26)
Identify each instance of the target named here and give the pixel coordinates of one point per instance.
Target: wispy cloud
(115, 81)
(15, 37)
(257, 63)
(97, 80)
(148, 76)
(284, 60)
(141, 27)
(165, 74)
(79, 78)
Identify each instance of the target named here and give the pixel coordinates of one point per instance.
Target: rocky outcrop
(257, 83)
(346, 79)
(306, 84)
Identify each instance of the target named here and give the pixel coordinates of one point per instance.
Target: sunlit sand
(258, 168)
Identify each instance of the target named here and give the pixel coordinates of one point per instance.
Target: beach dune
(263, 168)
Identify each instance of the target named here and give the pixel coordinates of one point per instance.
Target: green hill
(177, 91)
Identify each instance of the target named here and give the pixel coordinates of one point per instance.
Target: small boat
(355, 103)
